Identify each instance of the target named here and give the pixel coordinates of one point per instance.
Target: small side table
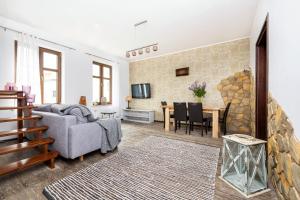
(108, 113)
(244, 164)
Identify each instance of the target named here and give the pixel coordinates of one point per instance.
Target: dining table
(215, 118)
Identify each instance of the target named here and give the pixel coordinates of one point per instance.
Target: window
(50, 69)
(102, 83)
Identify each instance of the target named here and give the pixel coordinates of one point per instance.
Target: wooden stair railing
(39, 142)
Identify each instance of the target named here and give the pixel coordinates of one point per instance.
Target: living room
(149, 100)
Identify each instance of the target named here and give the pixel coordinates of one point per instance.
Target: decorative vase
(10, 87)
(199, 99)
(31, 99)
(26, 89)
(82, 100)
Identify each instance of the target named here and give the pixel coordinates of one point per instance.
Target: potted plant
(198, 90)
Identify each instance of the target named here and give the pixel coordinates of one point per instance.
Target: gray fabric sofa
(72, 139)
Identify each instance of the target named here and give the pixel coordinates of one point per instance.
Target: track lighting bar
(140, 50)
(155, 44)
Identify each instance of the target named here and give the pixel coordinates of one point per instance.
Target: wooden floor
(30, 183)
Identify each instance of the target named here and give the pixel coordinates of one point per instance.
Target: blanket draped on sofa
(112, 126)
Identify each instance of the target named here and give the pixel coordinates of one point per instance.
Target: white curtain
(28, 70)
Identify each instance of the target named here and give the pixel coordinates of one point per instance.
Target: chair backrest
(226, 111)
(195, 112)
(180, 111)
(163, 103)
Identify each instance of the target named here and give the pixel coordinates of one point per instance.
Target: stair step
(24, 145)
(11, 97)
(22, 131)
(20, 118)
(6, 92)
(28, 162)
(18, 107)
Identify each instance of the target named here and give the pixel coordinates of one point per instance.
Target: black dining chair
(223, 120)
(180, 114)
(196, 116)
(164, 103)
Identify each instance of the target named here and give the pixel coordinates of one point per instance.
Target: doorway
(261, 114)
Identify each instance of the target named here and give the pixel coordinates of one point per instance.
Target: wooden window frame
(101, 78)
(58, 71)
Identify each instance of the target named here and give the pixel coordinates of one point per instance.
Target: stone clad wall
(237, 90)
(210, 64)
(252, 106)
(284, 153)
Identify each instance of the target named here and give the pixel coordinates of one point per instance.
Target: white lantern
(244, 164)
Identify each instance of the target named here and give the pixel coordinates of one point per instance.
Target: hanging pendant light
(141, 51)
(148, 50)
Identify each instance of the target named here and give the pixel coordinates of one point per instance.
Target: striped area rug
(157, 168)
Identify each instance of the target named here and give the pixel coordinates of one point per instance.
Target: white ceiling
(108, 25)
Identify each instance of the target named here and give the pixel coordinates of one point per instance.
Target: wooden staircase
(39, 143)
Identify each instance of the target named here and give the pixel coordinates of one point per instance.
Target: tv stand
(138, 115)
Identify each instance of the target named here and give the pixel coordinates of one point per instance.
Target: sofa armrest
(58, 129)
(84, 138)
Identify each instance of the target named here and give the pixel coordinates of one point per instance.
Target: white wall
(284, 53)
(78, 73)
(76, 68)
(6, 75)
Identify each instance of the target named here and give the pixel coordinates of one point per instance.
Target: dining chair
(195, 111)
(180, 114)
(164, 103)
(223, 120)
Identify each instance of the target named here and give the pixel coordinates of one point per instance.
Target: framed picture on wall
(182, 71)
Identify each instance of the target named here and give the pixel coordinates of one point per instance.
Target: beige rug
(158, 168)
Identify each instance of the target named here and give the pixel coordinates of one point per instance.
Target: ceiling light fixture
(147, 50)
(141, 50)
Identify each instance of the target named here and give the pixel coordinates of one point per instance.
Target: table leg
(167, 119)
(215, 124)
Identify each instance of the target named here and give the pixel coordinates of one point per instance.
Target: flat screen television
(141, 91)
